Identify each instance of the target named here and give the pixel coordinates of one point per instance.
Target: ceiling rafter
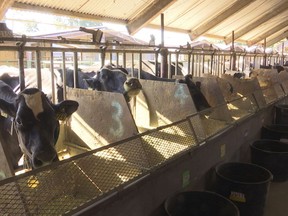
(149, 13)
(23, 6)
(280, 9)
(211, 23)
(277, 39)
(268, 33)
(4, 5)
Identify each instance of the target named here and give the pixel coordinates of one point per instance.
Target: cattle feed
(34, 102)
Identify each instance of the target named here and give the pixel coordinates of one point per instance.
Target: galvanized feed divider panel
(283, 78)
(102, 118)
(216, 119)
(245, 98)
(158, 102)
(70, 185)
(270, 84)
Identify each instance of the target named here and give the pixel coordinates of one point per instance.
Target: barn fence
(70, 185)
(48, 53)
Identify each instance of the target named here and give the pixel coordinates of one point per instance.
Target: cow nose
(43, 158)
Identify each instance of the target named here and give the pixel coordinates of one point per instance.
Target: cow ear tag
(2, 113)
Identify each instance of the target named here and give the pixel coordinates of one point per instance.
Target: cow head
(115, 80)
(36, 123)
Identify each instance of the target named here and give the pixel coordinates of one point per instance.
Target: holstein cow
(35, 121)
(194, 88)
(110, 79)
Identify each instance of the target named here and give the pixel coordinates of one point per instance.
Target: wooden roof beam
(4, 6)
(149, 13)
(268, 33)
(277, 39)
(273, 12)
(214, 21)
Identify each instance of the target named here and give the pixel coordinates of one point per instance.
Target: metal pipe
(75, 72)
(21, 67)
(162, 30)
(169, 68)
(265, 55)
(64, 75)
(189, 63)
(38, 69)
(140, 65)
(52, 76)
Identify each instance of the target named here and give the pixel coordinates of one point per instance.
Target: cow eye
(18, 121)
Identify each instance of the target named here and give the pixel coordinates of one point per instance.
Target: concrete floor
(277, 200)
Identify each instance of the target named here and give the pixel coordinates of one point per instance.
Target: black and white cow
(35, 121)
(110, 79)
(194, 88)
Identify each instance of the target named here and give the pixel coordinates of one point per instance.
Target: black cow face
(112, 80)
(115, 80)
(36, 124)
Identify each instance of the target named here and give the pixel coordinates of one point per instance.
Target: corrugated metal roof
(250, 20)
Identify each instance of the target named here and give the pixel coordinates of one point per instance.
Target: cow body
(35, 121)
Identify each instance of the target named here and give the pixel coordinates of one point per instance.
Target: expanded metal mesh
(242, 107)
(210, 122)
(65, 186)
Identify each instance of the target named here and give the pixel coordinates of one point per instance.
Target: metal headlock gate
(67, 186)
(197, 61)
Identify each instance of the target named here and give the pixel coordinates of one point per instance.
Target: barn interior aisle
(144, 108)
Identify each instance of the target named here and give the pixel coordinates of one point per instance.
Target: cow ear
(65, 109)
(8, 108)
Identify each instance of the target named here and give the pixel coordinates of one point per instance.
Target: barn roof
(251, 20)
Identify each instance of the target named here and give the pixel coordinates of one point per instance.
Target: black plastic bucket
(200, 203)
(274, 132)
(273, 155)
(245, 184)
(281, 114)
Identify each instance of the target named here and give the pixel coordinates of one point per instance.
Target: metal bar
(156, 65)
(189, 63)
(75, 72)
(162, 30)
(140, 65)
(21, 68)
(38, 70)
(132, 66)
(176, 63)
(169, 63)
(124, 60)
(52, 76)
(203, 63)
(64, 75)
(193, 65)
